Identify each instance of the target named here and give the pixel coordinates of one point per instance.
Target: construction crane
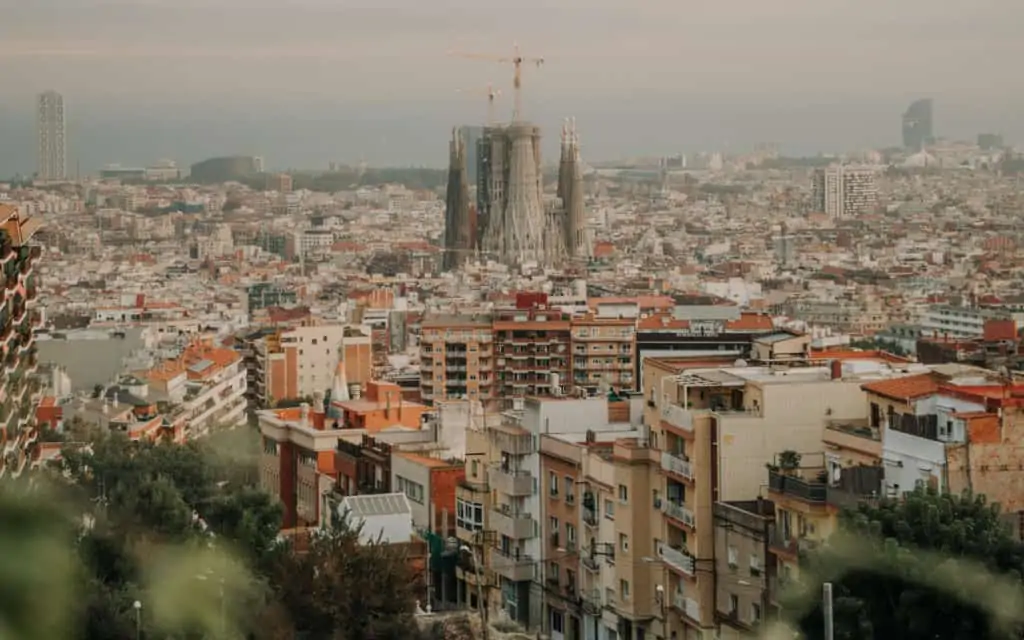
(517, 61)
(491, 94)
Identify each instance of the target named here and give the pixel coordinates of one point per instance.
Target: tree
(345, 590)
(931, 566)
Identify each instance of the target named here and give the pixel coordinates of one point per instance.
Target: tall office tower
(510, 194)
(917, 124)
(570, 192)
(52, 136)
(18, 325)
(458, 228)
(844, 191)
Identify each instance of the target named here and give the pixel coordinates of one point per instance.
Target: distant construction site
(510, 221)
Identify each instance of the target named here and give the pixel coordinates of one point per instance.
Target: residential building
(19, 320)
(532, 346)
(702, 421)
(742, 599)
(456, 358)
(603, 354)
(475, 584)
(381, 407)
(429, 484)
(844, 191)
(52, 136)
(560, 483)
(205, 386)
(364, 467)
(917, 125)
(300, 361)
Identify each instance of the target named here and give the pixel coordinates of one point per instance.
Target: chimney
(837, 369)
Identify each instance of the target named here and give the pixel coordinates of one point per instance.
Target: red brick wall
(443, 481)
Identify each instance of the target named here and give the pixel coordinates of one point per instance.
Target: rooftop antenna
(517, 61)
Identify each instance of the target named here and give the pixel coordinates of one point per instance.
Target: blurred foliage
(183, 531)
(931, 566)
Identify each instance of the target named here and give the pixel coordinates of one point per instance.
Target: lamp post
(137, 605)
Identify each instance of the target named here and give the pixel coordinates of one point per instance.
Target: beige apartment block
(716, 430)
(603, 353)
(457, 359)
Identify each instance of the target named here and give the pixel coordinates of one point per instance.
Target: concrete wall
(409, 470)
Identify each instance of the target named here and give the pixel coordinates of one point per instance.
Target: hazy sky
(303, 82)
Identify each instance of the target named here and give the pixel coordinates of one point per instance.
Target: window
(557, 621)
(734, 604)
(469, 515)
(755, 612)
(570, 493)
(553, 572)
(623, 494)
(733, 555)
(553, 484)
(570, 579)
(474, 468)
(624, 589)
(755, 564)
(570, 533)
(624, 542)
(609, 509)
(554, 526)
(412, 490)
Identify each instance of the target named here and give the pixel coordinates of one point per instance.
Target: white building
(52, 132)
(844, 191)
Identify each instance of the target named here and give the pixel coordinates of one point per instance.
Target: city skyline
(377, 84)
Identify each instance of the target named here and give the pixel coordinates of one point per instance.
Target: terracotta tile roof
(750, 322)
(905, 388)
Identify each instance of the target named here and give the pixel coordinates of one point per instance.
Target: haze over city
(317, 81)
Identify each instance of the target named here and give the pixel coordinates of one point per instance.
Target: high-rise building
(52, 132)
(18, 324)
(917, 124)
(844, 191)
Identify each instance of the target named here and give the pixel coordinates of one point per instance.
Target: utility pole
(826, 606)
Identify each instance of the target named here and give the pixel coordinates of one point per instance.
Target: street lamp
(137, 605)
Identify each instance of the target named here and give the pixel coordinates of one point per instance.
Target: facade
(917, 125)
(206, 384)
(844, 191)
(52, 134)
(457, 358)
(429, 484)
(561, 479)
(532, 347)
(603, 354)
(742, 596)
(364, 467)
(19, 320)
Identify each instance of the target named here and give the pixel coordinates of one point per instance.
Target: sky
(306, 82)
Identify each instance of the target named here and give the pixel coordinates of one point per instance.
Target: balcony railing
(806, 491)
(512, 524)
(677, 417)
(516, 568)
(512, 482)
(676, 466)
(676, 559)
(679, 513)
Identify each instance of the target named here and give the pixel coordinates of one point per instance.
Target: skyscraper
(917, 124)
(844, 191)
(52, 136)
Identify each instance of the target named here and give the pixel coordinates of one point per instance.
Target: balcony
(676, 559)
(815, 492)
(517, 568)
(589, 517)
(592, 602)
(787, 544)
(676, 466)
(512, 482)
(678, 512)
(512, 524)
(686, 606)
(677, 417)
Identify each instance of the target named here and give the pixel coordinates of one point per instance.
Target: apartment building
(205, 386)
(560, 480)
(844, 191)
(299, 361)
(363, 467)
(456, 358)
(532, 346)
(743, 594)
(475, 583)
(716, 429)
(19, 320)
(429, 484)
(603, 353)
